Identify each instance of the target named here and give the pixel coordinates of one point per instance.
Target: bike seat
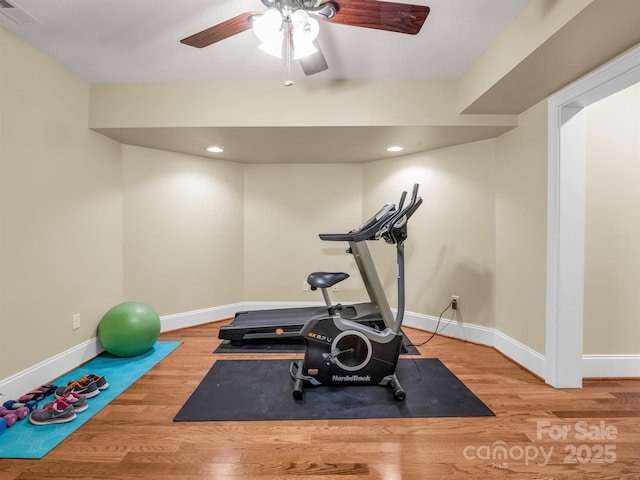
(325, 279)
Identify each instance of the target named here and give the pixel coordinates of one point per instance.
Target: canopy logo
(576, 443)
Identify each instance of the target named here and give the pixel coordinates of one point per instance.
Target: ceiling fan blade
(221, 31)
(393, 17)
(314, 63)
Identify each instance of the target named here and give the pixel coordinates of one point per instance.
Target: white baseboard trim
(518, 352)
(618, 366)
(593, 366)
(611, 366)
(526, 357)
(199, 317)
(177, 321)
(23, 382)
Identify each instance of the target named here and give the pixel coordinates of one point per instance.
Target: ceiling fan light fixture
(272, 47)
(302, 48)
(299, 17)
(304, 26)
(268, 29)
(268, 22)
(304, 31)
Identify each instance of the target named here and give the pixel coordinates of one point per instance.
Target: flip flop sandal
(38, 394)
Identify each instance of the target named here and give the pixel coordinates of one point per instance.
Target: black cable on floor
(437, 325)
(453, 316)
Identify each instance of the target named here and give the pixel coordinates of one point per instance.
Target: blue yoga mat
(25, 440)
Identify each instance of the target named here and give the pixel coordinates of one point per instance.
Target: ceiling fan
(293, 24)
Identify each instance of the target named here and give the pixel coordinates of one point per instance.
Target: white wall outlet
(305, 287)
(455, 302)
(75, 321)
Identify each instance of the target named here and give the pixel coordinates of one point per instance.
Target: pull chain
(288, 82)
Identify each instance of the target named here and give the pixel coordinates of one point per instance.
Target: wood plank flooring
(538, 432)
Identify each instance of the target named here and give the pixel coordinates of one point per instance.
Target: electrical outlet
(75, 323)
(455, 301)
(305, 287)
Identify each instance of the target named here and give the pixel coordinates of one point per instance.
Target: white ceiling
(139, 41)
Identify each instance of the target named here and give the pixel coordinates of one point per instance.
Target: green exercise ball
(129, 329)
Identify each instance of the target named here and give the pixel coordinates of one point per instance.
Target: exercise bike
(342, 352)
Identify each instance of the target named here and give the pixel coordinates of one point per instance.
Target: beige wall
(539, 21)
(612, 225)
(520, 234)
(86, 223)
(450, 250)
(183, 230)
(61, 211)
(286, 207)
(251, 103)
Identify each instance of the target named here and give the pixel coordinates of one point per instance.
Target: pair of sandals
(39, 393)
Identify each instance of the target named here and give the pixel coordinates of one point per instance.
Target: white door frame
(565, 214)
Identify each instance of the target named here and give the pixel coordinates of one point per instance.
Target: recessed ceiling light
(215, 150)
(395, 148)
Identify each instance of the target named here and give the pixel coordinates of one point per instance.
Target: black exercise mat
(290, 345)
(261, 390)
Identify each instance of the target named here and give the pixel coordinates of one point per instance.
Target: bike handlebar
(382, 224)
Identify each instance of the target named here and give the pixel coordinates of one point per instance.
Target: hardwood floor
(542, 433)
